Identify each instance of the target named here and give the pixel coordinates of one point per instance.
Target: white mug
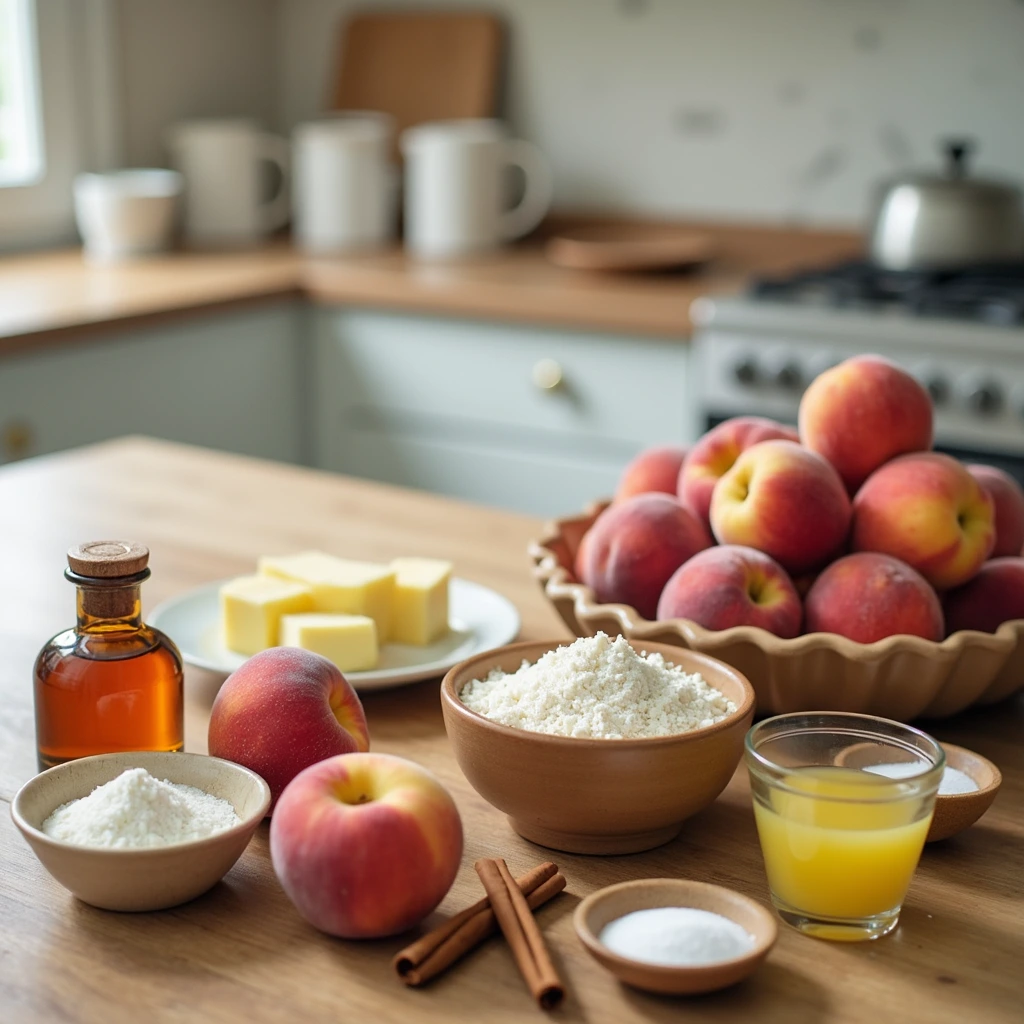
(344, 182)
(224, 163)
(455, 187)
(125, 214)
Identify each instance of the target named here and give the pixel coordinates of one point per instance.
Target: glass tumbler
(843, 803)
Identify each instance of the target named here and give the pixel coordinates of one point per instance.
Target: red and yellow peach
(716, 453)
(730, 586)
(994, 596)
(862, 413)
(633, 548)
(654, 469)
(785, 501)
(869, 596)
(283, 710)
(928, 511)
(365, 845)
(1008, 502)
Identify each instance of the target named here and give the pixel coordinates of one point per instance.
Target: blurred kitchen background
(742, 192)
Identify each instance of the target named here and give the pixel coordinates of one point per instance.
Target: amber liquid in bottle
(110, 684)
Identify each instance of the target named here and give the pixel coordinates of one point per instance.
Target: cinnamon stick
(521, 932)
(448, 943)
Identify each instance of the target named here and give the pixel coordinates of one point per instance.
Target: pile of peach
(854, 511)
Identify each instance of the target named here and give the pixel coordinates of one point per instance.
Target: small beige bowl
(607, 905)
(156, 877)
(955, 812)
(593, 795)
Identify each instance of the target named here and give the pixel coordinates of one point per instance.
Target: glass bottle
(111, 683)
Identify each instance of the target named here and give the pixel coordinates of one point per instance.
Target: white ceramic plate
(479, 619)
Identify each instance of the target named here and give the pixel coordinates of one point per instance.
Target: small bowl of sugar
(140, 830)
(968, 786)
(675, 936)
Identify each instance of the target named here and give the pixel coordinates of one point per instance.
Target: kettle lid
(955, 179)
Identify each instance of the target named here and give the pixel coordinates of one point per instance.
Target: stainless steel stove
(961, 333)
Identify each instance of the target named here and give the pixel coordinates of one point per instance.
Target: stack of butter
(341, 609)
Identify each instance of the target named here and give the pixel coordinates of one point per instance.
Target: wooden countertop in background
(56, 296)
(242, 953)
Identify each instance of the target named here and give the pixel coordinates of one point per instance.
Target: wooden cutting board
(630, 248)
(419, 65)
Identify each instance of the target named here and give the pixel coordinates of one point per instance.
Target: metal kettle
(948, 220)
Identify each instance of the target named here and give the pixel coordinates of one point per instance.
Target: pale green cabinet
(230, 380)
(535, 419)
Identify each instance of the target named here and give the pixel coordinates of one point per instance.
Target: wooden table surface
(241, 952)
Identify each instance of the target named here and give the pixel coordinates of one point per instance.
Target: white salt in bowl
(141, 879)
(600, 796)
(609, 904)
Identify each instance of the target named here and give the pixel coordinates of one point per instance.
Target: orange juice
(840, 842)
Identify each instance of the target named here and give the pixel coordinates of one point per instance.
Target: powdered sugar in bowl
(609, 777)
(139, 874)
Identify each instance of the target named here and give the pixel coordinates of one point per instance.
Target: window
(21, 156)
(55, 58)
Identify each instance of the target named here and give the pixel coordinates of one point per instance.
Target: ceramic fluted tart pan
(900, 677)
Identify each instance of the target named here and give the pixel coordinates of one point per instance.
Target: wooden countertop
(52, 297)
(241, 952)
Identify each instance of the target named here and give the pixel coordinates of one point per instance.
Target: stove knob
(789, 375)
(938, 387)
(983, 397)
(746, 370)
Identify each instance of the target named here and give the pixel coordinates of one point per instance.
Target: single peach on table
(1008, 499)
(716, 453)
(732, 585)
(654, 469)
(634, 546)
(928, 511)
(785, 501)
(862, 413)
(994, 596)
(283, 710)
(365, 845)
(869, 596)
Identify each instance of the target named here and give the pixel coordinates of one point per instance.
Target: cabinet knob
(547, 374)
(16, 440)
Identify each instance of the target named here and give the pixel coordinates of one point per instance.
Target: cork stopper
(104, 559)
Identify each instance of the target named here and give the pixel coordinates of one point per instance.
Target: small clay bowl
(154, 877)
(607, 905)
(955, 812)
(593, 795)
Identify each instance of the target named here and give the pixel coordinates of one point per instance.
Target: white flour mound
(598, 688)
(136, 810)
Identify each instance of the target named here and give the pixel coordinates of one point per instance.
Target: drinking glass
(842, 816)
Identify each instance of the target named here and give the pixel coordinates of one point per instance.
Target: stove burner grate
(989, 294)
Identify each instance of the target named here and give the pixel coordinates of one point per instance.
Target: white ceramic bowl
(125, 214)
(154, 877)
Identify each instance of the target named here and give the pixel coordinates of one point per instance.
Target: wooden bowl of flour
(602, 796)
(154, 877)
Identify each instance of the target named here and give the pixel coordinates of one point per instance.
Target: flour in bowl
(136, 810)
(598, 688)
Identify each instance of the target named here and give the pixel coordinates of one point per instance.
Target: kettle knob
(957, 153)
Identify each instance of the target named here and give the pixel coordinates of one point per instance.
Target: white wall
(761, 109)
(192, 58)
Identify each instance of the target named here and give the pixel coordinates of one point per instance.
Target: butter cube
(421, 600)
(340, 586)
(350, 641)
(252, 606)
